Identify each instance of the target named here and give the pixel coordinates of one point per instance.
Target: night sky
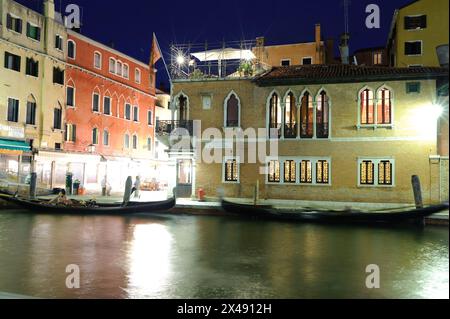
(130, 27)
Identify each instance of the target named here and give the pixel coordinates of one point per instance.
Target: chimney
(344, 49)
(318, 38)
(329, 51)
(49, 9)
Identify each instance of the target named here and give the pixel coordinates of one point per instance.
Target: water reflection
(209, 257)
(149, 261)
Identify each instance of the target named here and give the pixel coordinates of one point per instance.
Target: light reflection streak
(149, 261)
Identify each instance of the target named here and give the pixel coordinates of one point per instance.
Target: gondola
(90, 208)
(333, 217)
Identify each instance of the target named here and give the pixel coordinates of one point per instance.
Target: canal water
(216, 257)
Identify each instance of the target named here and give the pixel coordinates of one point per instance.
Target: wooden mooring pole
(417, 189)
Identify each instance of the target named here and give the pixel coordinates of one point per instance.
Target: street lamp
(180, 60)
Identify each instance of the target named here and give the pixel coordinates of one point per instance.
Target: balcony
(322, 130)
(167, 127)
(290, 130)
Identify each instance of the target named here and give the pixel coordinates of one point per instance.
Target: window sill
(31, 126)
(14, 32)
(299, 184)
(34, 40)
(71, 107)
(376, 186)
(231, 182)
(375, 126)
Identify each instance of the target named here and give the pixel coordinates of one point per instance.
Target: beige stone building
(340, 133)
(32, 94)
(318, 51)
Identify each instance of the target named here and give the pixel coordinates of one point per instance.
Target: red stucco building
(110, 110)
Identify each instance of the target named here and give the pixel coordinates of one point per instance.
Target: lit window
(322, 172)
(307, 116)
(306, 172)
(384, 107)
(290, 172)
(274, 172)
(385, 173)
(367, 172)
(377, 58)
(367, 107)
(231, 171)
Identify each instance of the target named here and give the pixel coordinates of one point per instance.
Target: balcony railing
(167, 127)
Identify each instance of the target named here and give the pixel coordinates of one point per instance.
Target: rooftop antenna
(344, 47)
(346, 4)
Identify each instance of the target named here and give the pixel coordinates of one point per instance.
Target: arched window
(71, 49)
(232, 111)
(57, 117)
(95, 136)
(135, 142)
(322, 115)
(112, 65)
(119, 68)
(137, 76)
(126, 71)
(307, 116)
(275, 117)
(384, 106)
(367, 107)
(98, 60)
(31, 111)
(183, 110)
(290, 117)
(126, 141)
(105, 137)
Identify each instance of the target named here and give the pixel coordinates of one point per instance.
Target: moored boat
(416, 215)
(90, 207)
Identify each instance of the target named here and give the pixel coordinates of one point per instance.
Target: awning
(13, 146)
(224, 54)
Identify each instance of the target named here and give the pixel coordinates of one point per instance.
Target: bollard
(417, 189)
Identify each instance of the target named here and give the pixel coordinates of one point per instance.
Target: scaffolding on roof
(233, 59)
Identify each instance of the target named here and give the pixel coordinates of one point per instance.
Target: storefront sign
(11, 131)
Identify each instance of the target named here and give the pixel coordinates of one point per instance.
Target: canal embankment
(212, 207)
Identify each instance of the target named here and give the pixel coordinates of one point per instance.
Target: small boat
(90, 207)
(333, 217)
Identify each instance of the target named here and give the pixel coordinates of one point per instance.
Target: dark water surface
(216, 257)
